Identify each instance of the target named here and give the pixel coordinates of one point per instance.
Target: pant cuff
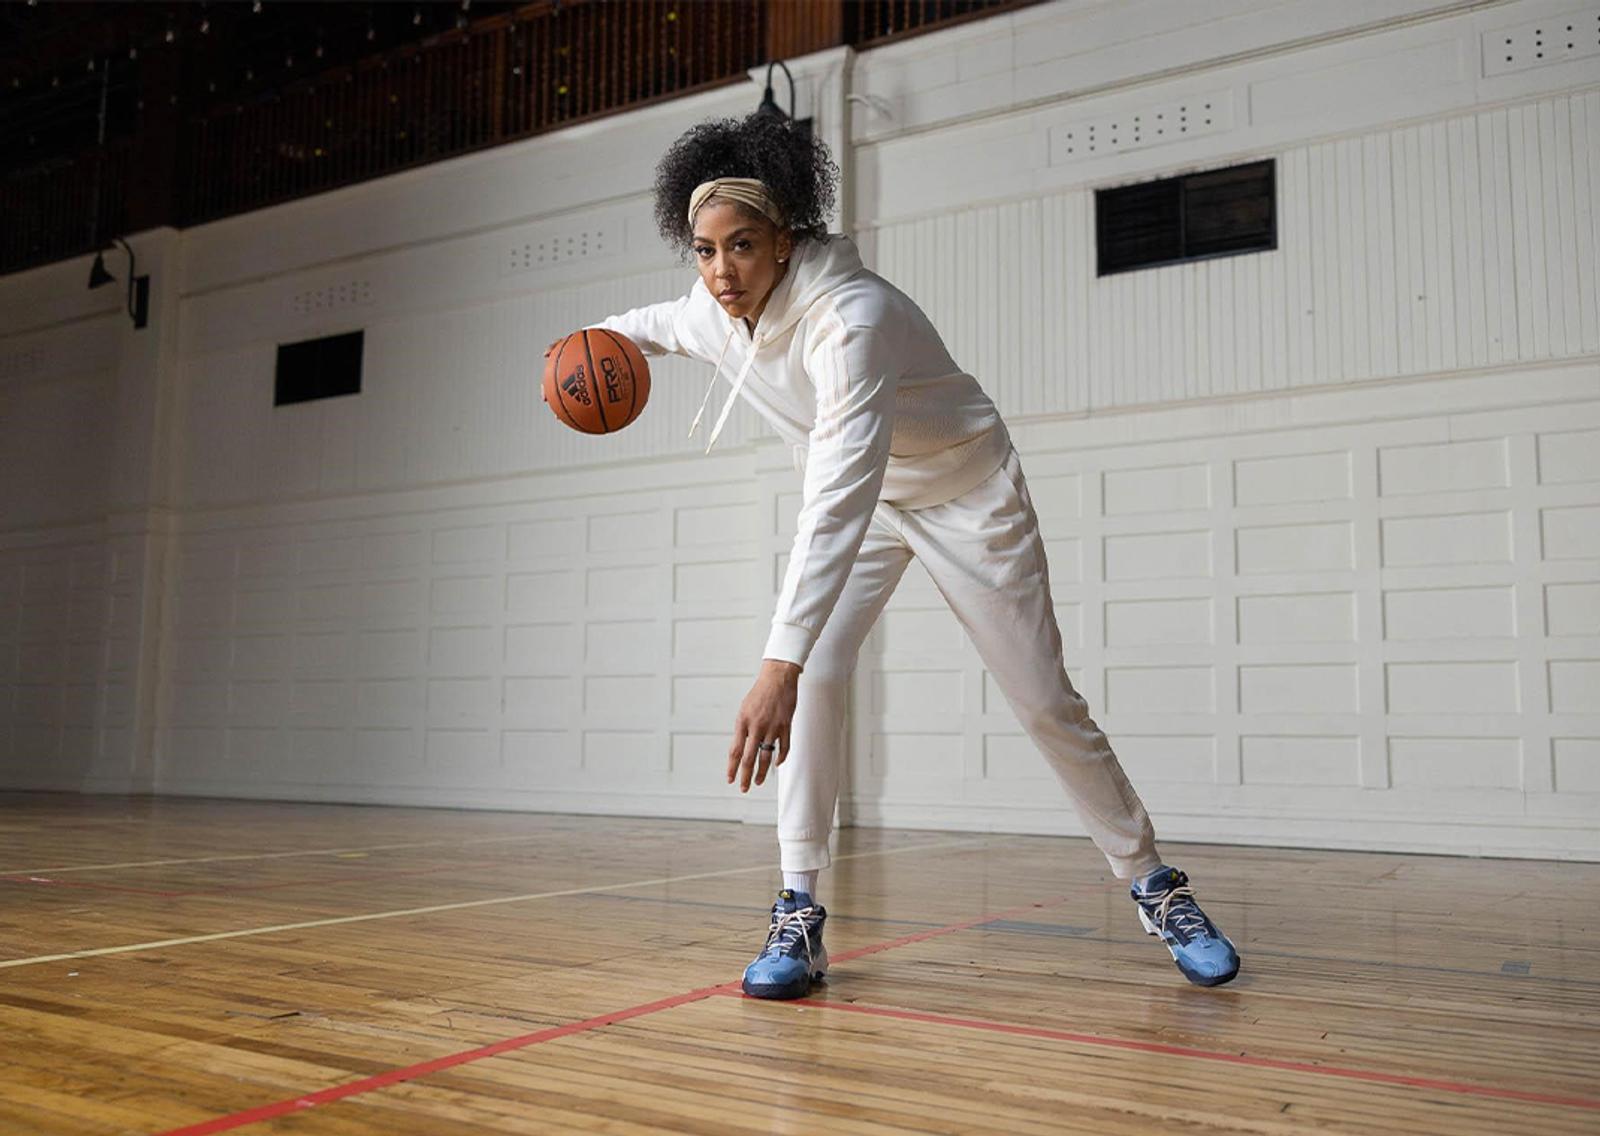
(803, 855)
(1133, 867)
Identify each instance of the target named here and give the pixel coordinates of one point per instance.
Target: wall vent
(1154, 124)
(350, 294)
(19, 365)
(318, 368)
(1191, 217)
(550, 251)
(1542, 43)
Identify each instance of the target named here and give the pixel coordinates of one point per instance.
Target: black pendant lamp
(769, 105)
(138, 286)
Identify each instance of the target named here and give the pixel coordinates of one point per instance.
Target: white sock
(1143, 882)
(801, 881)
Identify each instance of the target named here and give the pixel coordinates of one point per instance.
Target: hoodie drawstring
(711, 386)
(733, 395)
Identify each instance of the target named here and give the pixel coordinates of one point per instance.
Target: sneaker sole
(787, 991)
(777, 993)
(1197, 979)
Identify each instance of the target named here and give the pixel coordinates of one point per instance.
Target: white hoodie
(848, 370)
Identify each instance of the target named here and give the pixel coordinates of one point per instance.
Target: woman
(903, 456)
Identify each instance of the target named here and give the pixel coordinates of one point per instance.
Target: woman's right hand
(554, 343)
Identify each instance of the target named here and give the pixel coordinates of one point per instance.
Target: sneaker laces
(788, 928)
(1178, 905)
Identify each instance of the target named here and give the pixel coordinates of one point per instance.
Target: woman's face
(741, 256)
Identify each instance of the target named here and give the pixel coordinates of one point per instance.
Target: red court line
(1372, 1076)
(411, 1072)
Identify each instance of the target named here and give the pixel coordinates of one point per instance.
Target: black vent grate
(1193, 217)
(318, 368)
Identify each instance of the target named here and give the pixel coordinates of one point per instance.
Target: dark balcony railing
(59, 209)
(510, 76)
(518, 77)
(868, 23)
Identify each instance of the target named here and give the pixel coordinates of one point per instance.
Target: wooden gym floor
(194, 966)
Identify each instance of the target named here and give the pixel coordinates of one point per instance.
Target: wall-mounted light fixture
(769, 105)
(138, 286)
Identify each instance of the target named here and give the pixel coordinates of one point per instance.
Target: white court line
(274, 855)
(162, 943)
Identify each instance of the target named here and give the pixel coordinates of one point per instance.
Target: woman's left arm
(853, 371)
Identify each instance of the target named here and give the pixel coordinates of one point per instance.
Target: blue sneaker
(794, 956)
(1167, 908)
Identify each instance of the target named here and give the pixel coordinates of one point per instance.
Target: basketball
(596, 381)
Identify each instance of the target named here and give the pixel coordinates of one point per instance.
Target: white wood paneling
(537, 649)
(1370, 651)
(73, 645)
(1377, 273)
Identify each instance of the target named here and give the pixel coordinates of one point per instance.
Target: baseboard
(585, 802)
(1459, 836)
(1565, 839)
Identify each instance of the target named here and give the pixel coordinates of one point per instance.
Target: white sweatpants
(984, 553)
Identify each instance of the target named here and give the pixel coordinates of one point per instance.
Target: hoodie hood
(817, 267)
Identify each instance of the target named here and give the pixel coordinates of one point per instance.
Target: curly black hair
(796, 168)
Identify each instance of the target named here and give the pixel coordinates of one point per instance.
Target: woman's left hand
(764, 717)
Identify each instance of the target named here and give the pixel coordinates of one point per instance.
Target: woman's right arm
(656, 329)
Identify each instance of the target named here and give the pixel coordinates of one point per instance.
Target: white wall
(85, 522)
(569, 642)
(1322, 520)
(54, 564)
(1340, 618)
(1366, 617)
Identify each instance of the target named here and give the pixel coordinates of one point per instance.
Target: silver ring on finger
(766, 746)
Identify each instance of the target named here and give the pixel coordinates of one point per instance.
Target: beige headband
(746, 191)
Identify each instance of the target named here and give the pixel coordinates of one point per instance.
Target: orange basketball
(596, 381)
